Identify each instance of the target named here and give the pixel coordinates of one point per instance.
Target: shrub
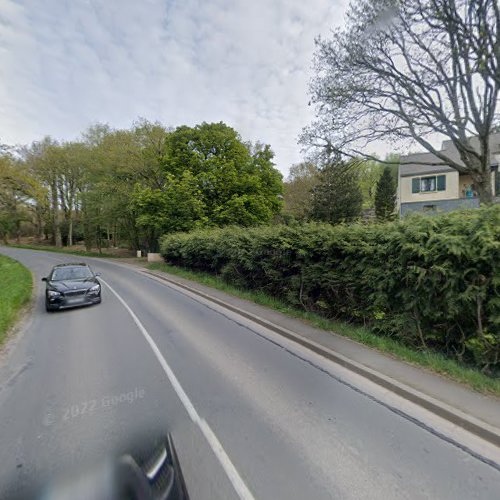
(433, 282)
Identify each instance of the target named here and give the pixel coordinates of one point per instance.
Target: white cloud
(67, 64)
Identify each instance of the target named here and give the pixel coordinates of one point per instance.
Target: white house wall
(450, 193)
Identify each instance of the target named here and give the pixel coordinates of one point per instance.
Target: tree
(177, 206)
(19, 192)
(385, 196)
(337, 198)
(134, 185)
(208, 177)
(122, 162)
(411, 70)
(370, 172)
(43, 160)
(301, 181)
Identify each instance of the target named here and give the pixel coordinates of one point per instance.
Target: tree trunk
(39, 224)
(482, 181)
(57, 239)
(87, 236)
(70, 230)
(98, 238)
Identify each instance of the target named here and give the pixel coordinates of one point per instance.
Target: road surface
(251, 417)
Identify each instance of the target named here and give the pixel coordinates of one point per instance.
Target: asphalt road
(249, 416)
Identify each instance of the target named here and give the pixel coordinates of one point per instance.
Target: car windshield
(71, 273)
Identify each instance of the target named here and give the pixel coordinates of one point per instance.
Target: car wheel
(47, 307)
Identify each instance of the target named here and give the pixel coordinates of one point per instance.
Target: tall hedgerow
(431, 281)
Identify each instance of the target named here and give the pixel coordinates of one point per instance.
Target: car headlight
(95, 289)
(53, 293)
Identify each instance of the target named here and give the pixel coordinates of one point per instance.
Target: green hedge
(431, 281)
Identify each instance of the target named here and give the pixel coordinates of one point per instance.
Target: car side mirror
(44, 279)
(97, 274)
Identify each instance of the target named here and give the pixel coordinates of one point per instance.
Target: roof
(410, 164)
(72, 264)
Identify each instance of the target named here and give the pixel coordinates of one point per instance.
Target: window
(71, 273)
(428, 184)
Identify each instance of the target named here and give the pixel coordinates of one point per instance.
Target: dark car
(71, 285)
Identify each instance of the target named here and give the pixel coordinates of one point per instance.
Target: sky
(67, 64)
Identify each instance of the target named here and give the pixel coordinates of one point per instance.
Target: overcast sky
(66, 64)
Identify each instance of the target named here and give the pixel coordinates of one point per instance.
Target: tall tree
(370, 172)
(298, 187)
(385, 196)
(337, 198)
(43, 159)
(132, 185)
(19, 194)
(411, 70)
(222, 179)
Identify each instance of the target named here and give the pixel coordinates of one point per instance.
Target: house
(434, 187)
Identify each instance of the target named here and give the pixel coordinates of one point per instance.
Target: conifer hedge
(431, 281)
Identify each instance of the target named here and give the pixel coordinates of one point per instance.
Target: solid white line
(238, 484)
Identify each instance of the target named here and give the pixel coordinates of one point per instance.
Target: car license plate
(75, 300)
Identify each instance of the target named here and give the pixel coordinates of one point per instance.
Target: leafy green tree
(19, 193)
(43, 160)
(370, 172)
(301, 181)
(123, 161)
(206, 176)
(385, 196)
(337, 198)
(237, 182)
(133, 185)
(176, 207)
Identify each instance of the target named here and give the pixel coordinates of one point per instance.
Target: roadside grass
(15, 292)
(81, 253)
(430, 360)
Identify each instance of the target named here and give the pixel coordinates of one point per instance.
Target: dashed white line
(234, 477)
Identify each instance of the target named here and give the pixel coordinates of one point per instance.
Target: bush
(432, 282)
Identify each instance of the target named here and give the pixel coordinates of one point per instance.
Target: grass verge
(426, 359)
(81, 253)
(15, 292)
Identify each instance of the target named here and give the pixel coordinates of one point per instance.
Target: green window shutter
(415, 185)
(441, 182)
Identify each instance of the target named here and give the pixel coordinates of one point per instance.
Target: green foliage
(116, 186)
(14, 293)
(370, 172)
(19, 192)
(175, 207)
(210, 178)
(430, 282)
(337, 197)
(301, 181)
(430, 360)
(238, 184)
(385, 196)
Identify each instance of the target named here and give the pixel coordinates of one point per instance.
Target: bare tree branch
(406, 71)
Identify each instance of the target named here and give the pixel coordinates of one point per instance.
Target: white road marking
(234, 477)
